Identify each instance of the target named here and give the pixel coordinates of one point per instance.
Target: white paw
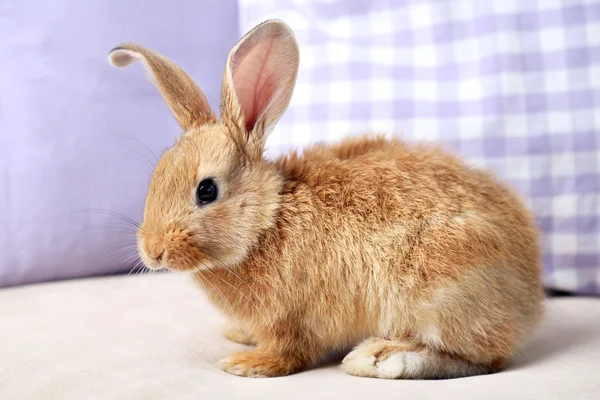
(362, 362)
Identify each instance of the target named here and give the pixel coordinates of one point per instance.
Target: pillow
(77, 137)
(511, 85)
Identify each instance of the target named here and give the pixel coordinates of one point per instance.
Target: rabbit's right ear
(185, 99)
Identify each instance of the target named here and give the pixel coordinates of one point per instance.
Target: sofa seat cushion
(157, 337)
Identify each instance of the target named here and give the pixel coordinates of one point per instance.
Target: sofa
(509, 85)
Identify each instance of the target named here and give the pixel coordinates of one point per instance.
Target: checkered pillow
(513, 85)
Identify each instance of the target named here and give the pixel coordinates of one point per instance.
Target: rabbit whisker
(137, 141)
(265, 316)
(223, 266)
(205, 279)
(131, 257)
(112, 214)
(137, 265)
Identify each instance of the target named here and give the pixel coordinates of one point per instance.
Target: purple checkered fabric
(511, 85)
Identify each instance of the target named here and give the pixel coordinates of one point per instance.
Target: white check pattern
(511, 85)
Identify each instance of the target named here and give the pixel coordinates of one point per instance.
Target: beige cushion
(156, 337)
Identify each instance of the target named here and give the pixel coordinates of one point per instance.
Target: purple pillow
(77, 138)
(511, 85)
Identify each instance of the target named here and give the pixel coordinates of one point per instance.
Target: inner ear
(259, 78)
(255, 79)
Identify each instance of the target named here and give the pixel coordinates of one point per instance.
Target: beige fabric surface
(156, 337)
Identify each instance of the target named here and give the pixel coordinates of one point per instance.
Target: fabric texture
(77, 135)
(156, 337)
(510, 85)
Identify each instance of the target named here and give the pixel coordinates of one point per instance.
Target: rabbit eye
(206, 192)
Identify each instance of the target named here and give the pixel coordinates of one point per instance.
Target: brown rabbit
(429, 267)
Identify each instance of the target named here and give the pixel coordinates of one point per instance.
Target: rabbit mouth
(180, 251)
(174, 250)
(189, 260)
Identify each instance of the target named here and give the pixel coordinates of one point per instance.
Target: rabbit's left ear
(259, 80)
(186, 100)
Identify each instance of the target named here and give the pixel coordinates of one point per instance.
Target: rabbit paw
(378, 358)
(394, 359)
(257, 364)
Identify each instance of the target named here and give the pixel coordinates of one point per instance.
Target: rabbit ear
(259, 80)
(185, 99)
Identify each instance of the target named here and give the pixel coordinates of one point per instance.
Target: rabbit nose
(155, 250)
(158, 257)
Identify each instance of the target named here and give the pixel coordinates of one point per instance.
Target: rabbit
(414, 263)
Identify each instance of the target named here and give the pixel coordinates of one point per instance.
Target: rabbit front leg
(283, 349)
